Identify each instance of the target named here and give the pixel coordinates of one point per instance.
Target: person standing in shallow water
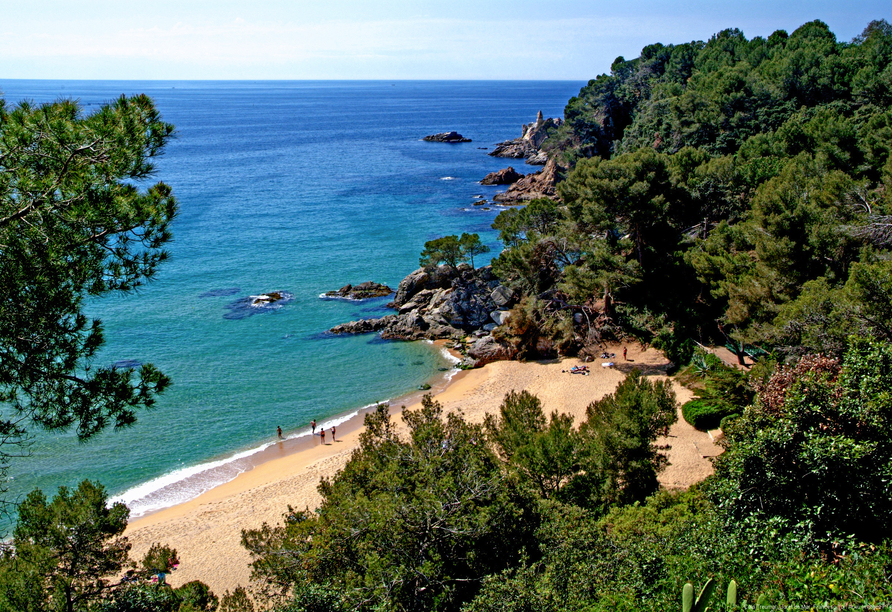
(279, 431)
(313, 425)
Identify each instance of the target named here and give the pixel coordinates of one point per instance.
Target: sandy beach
(207, 530)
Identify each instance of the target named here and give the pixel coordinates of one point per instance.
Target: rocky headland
(448, 137)
(540, 184)
(527, 146)
(446, 303)
(362, 291)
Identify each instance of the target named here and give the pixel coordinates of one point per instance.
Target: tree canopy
(75, 224)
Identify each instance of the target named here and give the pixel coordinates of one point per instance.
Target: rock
(363, 326)
(437, 278)
(487, 349)
(505, 176)
(533, 186)
(449, 137)
(362, 291)
(489, 327)
(528, 145)
(501, 296)
(500, 316)
(440, 303)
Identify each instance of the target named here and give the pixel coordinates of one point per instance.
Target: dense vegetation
(734, 191)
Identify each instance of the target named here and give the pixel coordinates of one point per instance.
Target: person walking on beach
(322, 433)
(333, 434)
(624, 354)
(313, 425)
(279, 431)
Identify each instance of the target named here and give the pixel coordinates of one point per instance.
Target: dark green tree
(74, 225)
(471, 246)
(408, 524)
(64, 552)
(542, 453)
(447, 250)
(619, 437)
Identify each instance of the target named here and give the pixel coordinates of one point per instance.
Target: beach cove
(206, 531)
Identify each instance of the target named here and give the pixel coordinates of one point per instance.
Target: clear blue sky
(383, 39)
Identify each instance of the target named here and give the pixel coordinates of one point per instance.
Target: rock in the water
(505, 176)
(442, 302)
(449, 137)
(362, 291)
(533, 186)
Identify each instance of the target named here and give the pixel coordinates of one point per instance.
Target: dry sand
(207, 530)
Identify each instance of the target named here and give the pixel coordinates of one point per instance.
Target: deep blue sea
(299, 187)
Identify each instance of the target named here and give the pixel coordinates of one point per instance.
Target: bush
(704, 414)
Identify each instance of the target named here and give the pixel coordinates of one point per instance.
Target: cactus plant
(688, 604)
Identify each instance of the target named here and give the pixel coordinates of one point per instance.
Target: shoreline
(191, 482)
(206, 531)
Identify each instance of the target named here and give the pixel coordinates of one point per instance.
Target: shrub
(704, 414)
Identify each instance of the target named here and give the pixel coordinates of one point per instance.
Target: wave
(187, 483)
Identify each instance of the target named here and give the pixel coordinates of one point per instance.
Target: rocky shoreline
(446, 303)
(464, 304)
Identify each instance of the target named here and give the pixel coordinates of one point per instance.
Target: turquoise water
(294, 186)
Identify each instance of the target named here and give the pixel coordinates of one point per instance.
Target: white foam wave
(187, 483)
(448, 178)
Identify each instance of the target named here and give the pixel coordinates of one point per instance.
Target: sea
(298, 187)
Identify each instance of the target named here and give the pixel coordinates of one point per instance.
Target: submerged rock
(255, 304)
(448, 137)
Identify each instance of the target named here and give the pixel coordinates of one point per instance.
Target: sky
(382, 39)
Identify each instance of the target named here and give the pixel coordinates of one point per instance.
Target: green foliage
(689, 604)
(237, 601)
(74, 225)
(409, 523)
(814, 454)
(64, 551)
(703, 415)
(159, 558)
(451, 250)
(543, 454)
(470, 245)
(620, 434)
(445, 250)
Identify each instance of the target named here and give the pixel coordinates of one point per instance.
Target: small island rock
(362, 291)
(449, 137)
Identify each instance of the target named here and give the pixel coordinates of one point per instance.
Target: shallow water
(299, 187)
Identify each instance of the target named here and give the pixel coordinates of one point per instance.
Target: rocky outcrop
(537, 185)
(362, 291)
(443, 302)
(487, 349)
(448, 137)
(505, 176)
(528, 145)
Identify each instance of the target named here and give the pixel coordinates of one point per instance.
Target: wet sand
(207, 530)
